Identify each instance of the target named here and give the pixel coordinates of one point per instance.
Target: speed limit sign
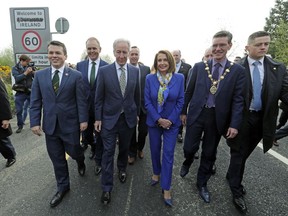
(31, 41)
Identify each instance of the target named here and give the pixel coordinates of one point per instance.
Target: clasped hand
(164, 123)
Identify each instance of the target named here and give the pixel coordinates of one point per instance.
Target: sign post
(31, 33)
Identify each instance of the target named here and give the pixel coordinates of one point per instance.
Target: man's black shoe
(81, 168)
(184, 171)
(19, 129)
(180, 138)
(97, 170)
(204, 193)
(10, 162)
(122, 176)
(240, 204)
(57, 198)
(106, 197)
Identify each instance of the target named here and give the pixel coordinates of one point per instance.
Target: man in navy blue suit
(138, 142)
(89, 69)
(215, 98)
(59, 91)
(117, 104)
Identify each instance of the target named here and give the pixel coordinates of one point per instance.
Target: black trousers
(138, 144)
(249, 135)
(6, 148)
(206, 124)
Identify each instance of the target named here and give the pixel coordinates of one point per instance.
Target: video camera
(32, 65)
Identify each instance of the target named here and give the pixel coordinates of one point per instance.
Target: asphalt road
(27, 187)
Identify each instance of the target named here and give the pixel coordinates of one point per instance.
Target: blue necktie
(257, 87)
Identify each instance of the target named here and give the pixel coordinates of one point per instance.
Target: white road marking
(127, 207)
(275, 154)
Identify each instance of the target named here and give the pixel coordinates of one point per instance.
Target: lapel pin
(66, 74)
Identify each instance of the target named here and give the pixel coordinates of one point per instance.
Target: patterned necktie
(257, 103)
(122, 80)
(92, 75)
(55, 81)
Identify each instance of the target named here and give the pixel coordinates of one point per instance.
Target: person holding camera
(23, 75)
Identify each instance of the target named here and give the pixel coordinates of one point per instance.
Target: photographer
(23, 75)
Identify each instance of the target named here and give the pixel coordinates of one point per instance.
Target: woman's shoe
(168, 202)
(154, 182)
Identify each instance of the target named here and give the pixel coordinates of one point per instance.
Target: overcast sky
(151, 25)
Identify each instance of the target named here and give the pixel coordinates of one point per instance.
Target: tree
(278, 14)
(280, 43)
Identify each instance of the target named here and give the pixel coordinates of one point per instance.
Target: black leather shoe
(122, 176)
(97, 170)
(204, 193)
(106, 197)
(81, 168)
(19, 129)
(184, 171)
(196, 155)
(57, 198)
(240, 204)
(180, 138)
(10, 162)
(213, 171)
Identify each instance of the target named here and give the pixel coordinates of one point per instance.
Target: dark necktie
(122, 80)
(215, 74)
(92, 75)
(257, 87)
(55, 81)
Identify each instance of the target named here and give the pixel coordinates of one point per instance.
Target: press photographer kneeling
(23, 73)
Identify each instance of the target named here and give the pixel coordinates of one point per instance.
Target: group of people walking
(105, 102)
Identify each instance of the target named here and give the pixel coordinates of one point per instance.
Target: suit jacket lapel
(115, 80)
(222, 82)
(208, 81)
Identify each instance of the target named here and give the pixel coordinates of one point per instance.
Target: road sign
(62, 25)
(31, 41)
(30, 31)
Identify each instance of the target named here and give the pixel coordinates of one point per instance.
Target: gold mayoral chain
(214, 85)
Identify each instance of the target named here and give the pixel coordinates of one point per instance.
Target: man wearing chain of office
(215, 98)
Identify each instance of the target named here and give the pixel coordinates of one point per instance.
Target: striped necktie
(55, 81)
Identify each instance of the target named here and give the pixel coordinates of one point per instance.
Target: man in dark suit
(65, 114)
(89, 69)
(183, 68)
(117, 104)
(137, 144)
(6, 147)
(266, 83)
(215, 98)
